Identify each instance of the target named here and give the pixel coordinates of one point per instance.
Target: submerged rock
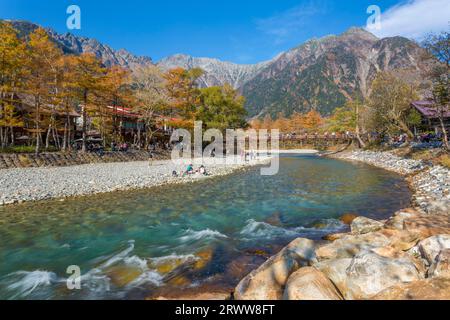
(348, 218)
(268, 281)
(310, 284)
(122, 275)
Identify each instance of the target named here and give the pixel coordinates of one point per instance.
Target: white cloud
(415, 18)
(284, 25)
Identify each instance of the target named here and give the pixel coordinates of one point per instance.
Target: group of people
(191, 171)
(122, 147)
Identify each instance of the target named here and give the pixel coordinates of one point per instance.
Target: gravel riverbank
(33, 184)
(430, 184)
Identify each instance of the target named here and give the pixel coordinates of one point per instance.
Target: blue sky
(244, 31)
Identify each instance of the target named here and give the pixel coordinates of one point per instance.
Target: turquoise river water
(175, 239)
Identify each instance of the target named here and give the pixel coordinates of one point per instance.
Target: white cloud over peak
(415, 19)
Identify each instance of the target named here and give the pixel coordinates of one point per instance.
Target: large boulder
(428, 225)
(368, 273)
(363, 225)
(429, 289)
(310, 284)
(441, 265)
(431, 247)
(398, 219)
(336, 271)
(401, 240)
(268, 281)
(349, 245)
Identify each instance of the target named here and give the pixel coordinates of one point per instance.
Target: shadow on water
(162, 240)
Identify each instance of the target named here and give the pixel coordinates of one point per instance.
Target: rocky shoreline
(34, 184)
(404, 257)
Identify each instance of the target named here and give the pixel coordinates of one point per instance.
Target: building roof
(123, 111)
(428, 109)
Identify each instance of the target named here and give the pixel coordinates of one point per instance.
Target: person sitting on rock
(190, 169)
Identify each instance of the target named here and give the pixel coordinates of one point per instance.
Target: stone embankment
(404, 257)
(61, 159)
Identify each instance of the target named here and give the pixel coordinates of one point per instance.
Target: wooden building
(429, 113)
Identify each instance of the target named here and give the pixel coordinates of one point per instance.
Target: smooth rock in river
(268, 281)
(310, 284)
(370, 273)
(441, 265)
(431, 247)
(429, 289)
(363, 225)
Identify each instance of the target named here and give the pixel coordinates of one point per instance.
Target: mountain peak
(73, 44)
(358, 31)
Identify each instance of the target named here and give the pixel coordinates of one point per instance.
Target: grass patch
(444, 160)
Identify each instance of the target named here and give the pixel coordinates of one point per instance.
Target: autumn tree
(12, 72)
(88, 76)
(267, 122)
(312, 120)
(152, 100)
(441, 98)
(221, 108)
(389, 105)
(297, 122)
(282, 123)
(42, 78)
(343, 119)
(438, 46)
(183, 91)
(115, 91)
(256, 124)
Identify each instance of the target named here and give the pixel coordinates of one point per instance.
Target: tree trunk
(64, 145)
(13, 140)
(47, 138)
(1, 138)
(444, 133)
(357, 130)
(84, 129)
(37, 127)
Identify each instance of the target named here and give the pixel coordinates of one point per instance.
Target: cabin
(429, 113)
(65, 121)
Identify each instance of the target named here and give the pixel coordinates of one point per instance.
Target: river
(209, 234)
